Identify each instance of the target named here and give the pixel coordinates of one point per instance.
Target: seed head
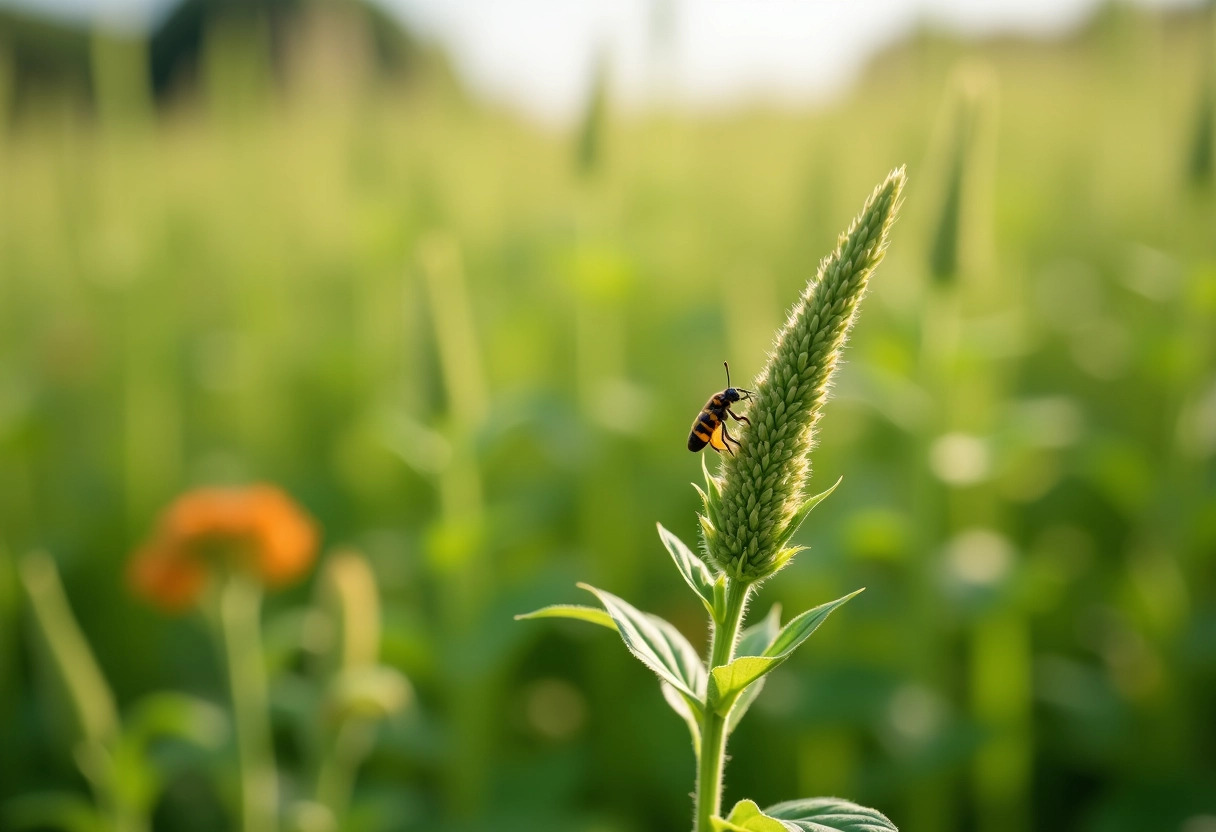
(756, 502)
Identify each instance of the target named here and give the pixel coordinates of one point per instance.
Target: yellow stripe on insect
(710, 424)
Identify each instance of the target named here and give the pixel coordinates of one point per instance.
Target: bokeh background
(462, 300)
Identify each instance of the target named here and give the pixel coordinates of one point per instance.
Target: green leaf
(688, 707)
(138, 773)
(747, 817)
(728, 681)
(720, 598)
(711, 506)
(696, 574)
(755, 640)
(709, 532)
(168, 714)
(714, 483)
(691, 716)
(52, 810)
(804, 511)
(829, 814)
(816, 814)
(801, 626)
(656, 644)
(577, 611)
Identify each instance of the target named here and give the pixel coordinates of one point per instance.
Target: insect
(710, 425)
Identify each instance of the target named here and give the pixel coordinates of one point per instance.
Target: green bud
(349, 598)
(761, 486)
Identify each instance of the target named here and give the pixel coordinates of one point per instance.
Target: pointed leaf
(829, 814)
(747, 817)
(745, 700)
(577, 611)
(688, 709)
(818, 814)
(755, 640)
(783, 556)
(805, 509)
(801, 626)
(711, 507)
(715, 484)
(696, 574)
(720, 598)
(656, 644)
(728, 681)
(691, 716)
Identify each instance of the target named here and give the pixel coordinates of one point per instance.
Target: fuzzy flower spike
(757, 501)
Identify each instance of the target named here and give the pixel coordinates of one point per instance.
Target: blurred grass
(262, 287)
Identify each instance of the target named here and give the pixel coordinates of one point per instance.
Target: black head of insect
(733, 394)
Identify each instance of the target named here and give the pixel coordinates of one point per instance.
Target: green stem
(240, 604)
(336, 779)
(103, 772)
(87, 692)
(713, 725)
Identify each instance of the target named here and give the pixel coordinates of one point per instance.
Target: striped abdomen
(705, 424)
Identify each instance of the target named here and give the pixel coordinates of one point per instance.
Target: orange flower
(257, 528)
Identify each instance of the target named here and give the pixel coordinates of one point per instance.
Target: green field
(474, 358)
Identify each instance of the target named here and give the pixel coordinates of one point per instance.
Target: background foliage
(471, 347)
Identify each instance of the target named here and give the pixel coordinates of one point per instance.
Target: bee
(710, 425)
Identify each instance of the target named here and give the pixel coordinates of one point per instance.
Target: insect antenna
(728, 384)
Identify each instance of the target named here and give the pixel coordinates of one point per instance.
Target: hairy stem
(713, 725)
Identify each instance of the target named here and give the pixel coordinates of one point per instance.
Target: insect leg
(728, 438)
(737, 417)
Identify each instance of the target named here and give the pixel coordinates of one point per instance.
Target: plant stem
(713, 725)
(336, 779)
(240, 605)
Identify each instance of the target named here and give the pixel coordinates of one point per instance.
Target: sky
(539, 55)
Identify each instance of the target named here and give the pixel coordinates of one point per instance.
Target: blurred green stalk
(236, 65)
(348, 596)
(87, 694)
(336, 776)
(1202, 161)
(119, 62)
(968, 393)
(458, 543)
(1001, 700)
(965, 171)
(238, 629)
(589, 150)
(600, 336)
(7, 76)
(152, 416)
(10, 669)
